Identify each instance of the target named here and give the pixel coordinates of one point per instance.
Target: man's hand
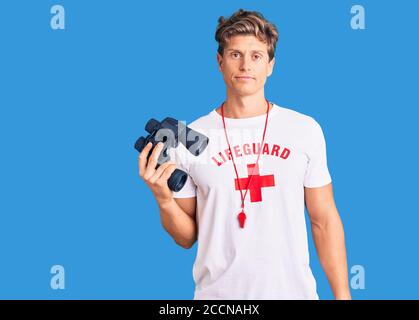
(177, 217)
(156, 180)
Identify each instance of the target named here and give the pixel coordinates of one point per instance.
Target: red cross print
(258, 182)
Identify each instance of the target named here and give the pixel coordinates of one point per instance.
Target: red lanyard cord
(242, 216)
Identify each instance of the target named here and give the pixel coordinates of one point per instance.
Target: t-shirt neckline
(246, 121)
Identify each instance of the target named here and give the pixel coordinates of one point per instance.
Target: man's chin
(243, 91)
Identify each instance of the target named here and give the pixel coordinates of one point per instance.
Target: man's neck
(244, 107)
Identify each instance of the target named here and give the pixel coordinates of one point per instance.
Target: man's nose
(245, 63)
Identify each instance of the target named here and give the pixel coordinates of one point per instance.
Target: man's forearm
(330, 244)
(180, 225)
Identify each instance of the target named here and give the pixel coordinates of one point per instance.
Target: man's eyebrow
(259, 51)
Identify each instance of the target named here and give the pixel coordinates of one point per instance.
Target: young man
(245, 195)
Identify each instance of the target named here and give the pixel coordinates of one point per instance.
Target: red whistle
(242, 219)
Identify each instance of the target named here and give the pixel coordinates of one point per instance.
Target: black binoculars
(170, 132)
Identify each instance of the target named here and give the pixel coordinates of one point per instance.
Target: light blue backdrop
(73, 101)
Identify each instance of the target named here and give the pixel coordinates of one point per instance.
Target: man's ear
(271, 66)
(219, 61)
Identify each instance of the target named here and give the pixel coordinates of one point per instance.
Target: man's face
(245, 64)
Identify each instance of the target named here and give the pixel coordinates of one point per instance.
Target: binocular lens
(177, 180)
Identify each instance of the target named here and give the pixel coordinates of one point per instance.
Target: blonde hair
(244, 22)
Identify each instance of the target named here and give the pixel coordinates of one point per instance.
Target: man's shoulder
(292, 116)
(202, 122)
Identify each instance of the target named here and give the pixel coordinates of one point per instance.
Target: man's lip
(244, 77)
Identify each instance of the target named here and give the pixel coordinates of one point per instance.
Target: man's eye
(235, 54)
(257, 57)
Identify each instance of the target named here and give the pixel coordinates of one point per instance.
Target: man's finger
(142, 158)
(166, 174)
(152, 161)
(160, 170)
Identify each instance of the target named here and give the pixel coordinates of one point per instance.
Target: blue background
(73, 101)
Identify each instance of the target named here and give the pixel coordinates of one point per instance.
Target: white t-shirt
(268, 258)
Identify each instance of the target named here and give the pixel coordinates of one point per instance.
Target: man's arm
(177, 216)
(329, 239)
(178, 219)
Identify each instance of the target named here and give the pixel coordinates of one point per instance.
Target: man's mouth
(244, 77)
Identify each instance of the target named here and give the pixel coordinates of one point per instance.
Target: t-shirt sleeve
(181, 158)
(317, 172)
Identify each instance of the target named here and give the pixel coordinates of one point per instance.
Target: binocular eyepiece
(170, 132)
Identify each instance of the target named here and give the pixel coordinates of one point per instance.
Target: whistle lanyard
(242, 216)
